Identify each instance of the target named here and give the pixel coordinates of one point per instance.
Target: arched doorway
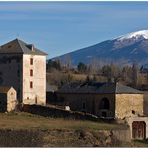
(138, 130)
(104, 107)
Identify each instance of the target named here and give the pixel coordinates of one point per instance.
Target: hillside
(126, 49)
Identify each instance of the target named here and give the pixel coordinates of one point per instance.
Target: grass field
(140, 143)
(23, 120)
(56, 131)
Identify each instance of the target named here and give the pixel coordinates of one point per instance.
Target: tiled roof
(102, 88)
(19, 47)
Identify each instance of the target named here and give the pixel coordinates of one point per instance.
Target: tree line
(131, 75)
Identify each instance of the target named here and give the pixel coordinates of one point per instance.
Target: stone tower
(23, 66)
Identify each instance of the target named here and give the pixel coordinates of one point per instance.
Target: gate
(138, 130)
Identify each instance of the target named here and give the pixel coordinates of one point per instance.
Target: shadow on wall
(58, 113)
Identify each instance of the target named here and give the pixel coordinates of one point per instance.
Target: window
(31, 61)
(84, 105)
(31, 72)
(31, 84)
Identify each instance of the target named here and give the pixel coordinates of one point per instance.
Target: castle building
(23, 67)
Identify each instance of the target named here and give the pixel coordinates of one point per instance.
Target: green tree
(53, 64)
(82, 67)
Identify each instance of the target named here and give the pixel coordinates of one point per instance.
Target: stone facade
(36, 94)
(89, 103)
(111, 100)
(128, 104)
(120, 105)
(11, 72)
(140, 131)
(24, 67)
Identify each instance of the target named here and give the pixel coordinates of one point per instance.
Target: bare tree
(135, 73)
(95, 66)
(67, 63)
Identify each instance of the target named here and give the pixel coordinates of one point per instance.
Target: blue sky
(62, 27)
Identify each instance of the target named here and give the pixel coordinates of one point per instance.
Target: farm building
(110, 100)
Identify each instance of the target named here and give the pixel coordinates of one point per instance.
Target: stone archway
(104, 104)
(138, 130)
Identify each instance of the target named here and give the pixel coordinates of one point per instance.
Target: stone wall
(57, 113)
(128, 104)
(146, 103)
(20, 138)
(37, 94)
(63, 138)
(92, 102)
(132, 119)
(3, 102)
(11, 72)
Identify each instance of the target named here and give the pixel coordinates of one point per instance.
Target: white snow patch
(136, 35)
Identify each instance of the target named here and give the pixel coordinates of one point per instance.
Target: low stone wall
(47, 111)
(122, 135)
(20, 138)
(63, 138)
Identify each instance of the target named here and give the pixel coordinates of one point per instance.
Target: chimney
(31, 47)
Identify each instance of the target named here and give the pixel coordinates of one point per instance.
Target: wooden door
(138, 130)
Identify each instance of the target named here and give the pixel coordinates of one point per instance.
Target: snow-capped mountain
(129, 48)
(136, 35)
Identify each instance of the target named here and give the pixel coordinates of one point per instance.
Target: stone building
(138, 127)
(8, 100)
(110, 100)
(23, 66)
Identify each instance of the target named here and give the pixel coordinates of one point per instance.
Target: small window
(84, 105)
(31, 72)
(31, 61)
(31, 84)
(9, 60)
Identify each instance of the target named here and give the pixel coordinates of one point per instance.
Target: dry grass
(140, 143)
(29, 121)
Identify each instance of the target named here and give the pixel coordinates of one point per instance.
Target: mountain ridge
(129, 48)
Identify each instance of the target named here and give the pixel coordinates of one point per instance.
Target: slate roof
(101, 88)
(19, 47)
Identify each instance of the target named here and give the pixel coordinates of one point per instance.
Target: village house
(110, 100)
(8, 99)
(23, 66)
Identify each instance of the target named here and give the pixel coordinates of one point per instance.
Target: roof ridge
(20, 44)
